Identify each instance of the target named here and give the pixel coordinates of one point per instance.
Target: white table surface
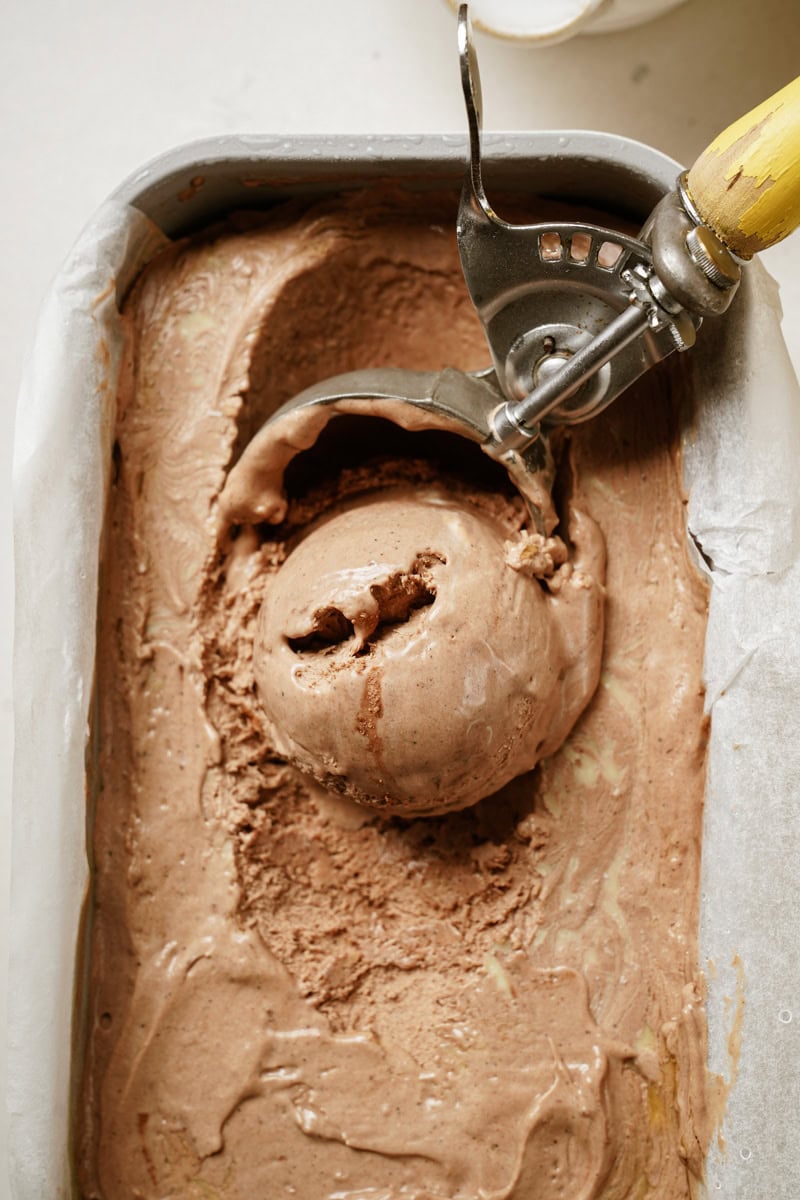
(92, 89)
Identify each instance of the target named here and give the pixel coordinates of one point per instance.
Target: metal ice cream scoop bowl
(573, 313)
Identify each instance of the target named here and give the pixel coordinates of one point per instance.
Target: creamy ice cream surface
(405, 663)
(291, 994)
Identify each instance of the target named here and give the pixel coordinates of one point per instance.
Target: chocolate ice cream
(289, 994)
(405, 663)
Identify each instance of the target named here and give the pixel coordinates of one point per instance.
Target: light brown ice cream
(404, 662)
(291, 995)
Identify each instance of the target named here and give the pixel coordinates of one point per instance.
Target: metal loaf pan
(197, 183)
(180, 192)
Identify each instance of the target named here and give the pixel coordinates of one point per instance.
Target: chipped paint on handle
(746, 184)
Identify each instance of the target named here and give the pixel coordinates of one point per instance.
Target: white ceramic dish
(543, 22)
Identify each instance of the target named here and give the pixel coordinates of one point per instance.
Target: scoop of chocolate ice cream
(405, 660)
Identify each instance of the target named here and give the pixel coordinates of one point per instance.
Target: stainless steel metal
(527, 279)
(564, 284)
(690, 278)
(516, 423)
(715, 260)
(685, 197)
(464, 402)
(193, 185)
(660, 308)
(467, 399)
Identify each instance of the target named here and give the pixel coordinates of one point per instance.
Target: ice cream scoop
(573, 312)
(408, 656)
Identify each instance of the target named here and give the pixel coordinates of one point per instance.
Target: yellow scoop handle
(746, 184)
